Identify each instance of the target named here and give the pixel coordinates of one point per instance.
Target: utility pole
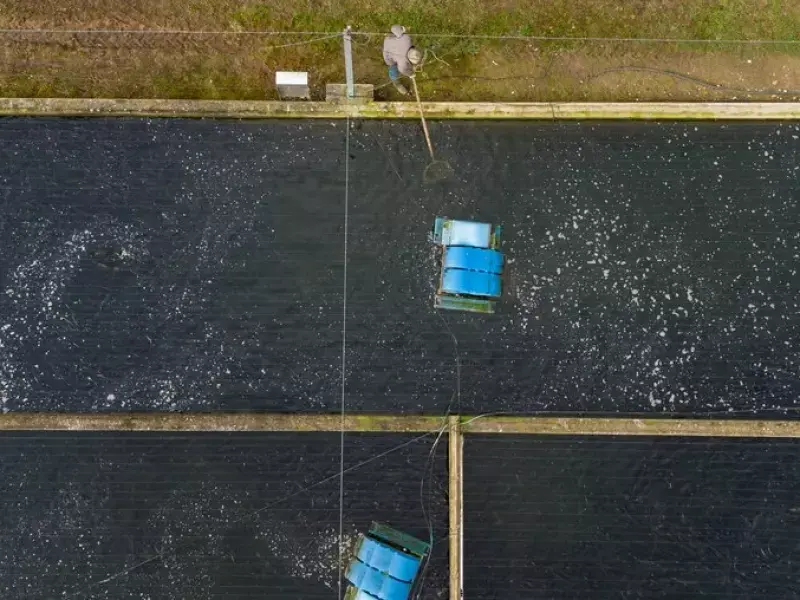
(348, 63)
(349, 92)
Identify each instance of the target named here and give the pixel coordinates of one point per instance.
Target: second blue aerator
(472, 265)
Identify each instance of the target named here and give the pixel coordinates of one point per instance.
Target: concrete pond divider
(655, 426)
(260, 109)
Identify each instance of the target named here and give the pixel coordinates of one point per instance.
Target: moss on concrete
(673, 427)
(532, 425)
(215, 422)
(243, 109)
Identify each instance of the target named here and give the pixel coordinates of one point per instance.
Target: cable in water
(182, 543)
(429, 463)
(428, 472)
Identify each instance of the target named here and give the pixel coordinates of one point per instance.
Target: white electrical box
(292, 84)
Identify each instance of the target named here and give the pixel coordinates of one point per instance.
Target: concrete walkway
(404, 110)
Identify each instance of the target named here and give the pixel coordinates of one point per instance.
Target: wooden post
(456, 446)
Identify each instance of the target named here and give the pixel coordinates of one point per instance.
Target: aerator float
(472, 265)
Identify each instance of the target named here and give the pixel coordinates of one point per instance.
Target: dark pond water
(206, 516)
(563, 518)
(198, 265)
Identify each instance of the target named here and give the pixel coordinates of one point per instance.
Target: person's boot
(400, 88)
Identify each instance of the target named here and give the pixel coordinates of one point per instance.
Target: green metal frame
(478, 305)
(494, 242)
(350, 593)
(442, 223)
(400, 540)
(395, 538)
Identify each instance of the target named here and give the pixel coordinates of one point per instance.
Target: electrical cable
(695, 80)
(413, 440)
(162, 32)
(428, 469)
(475, 36)
(426, 510)
(545, 38)
(622, 68)
(324, 36)
(304, 42)
(252, 514)
(675, 74)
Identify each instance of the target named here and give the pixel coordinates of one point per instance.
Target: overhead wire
(556, 38)
(23, 31)
(476, 36)
(426, 510)
(344, 351)
(438, 431)
(304, 42)
(329, 35)
(320, 38)
(427, 472)
(457, 394)
(342, 471)
(253, 513)
(428, 469)
(788, 93)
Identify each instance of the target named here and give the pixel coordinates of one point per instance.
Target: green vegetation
(704, 19)
(228, 67)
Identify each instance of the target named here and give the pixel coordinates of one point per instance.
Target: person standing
(396, 47)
